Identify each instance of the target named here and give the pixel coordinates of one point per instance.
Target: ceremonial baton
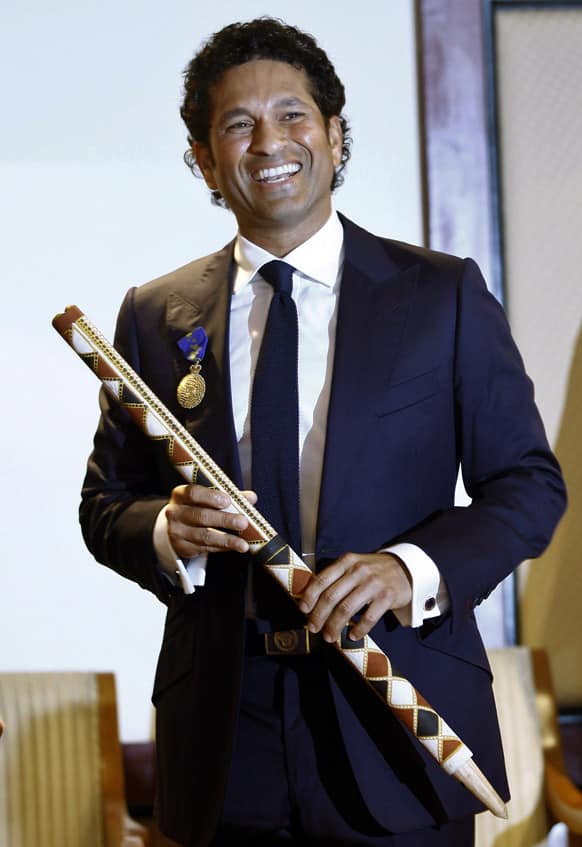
(272, 551)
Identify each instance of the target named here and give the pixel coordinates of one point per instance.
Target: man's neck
(317, 258)
(279, 241)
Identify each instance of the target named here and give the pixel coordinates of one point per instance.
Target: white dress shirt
(318, 264)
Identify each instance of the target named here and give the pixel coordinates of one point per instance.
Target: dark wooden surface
(571, 734)
(139, 766)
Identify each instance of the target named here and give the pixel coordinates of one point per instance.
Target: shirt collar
(318, 258)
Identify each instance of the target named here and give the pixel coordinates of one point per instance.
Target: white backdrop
(94, 198)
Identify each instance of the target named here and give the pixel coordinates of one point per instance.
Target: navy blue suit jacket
(426, 378)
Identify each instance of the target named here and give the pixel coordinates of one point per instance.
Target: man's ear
(336, 139)
(205, 162)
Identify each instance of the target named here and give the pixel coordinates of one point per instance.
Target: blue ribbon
(193, 345)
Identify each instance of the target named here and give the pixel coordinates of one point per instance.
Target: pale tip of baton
(473, 779)
(500, 810)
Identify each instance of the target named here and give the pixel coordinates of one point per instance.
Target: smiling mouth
(278, 174)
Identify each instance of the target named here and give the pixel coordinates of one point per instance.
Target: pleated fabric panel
(50, 790)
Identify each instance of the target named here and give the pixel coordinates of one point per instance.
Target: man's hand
(197, 524)
(377, 581)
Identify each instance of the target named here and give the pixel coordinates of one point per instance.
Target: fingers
(372, 582)
(373, 613)
(326, 589)
(198, 522)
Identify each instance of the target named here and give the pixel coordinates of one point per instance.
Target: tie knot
(279, 275)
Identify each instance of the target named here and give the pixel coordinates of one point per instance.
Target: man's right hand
(197, 523)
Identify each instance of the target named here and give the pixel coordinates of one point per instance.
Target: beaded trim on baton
(195, 465)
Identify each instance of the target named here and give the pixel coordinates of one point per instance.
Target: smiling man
(347, 378)
(271, 153)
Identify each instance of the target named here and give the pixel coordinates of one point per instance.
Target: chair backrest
(515, 696)
(50, 761)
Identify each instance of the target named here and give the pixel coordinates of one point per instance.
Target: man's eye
(292, 116)
(239, 126)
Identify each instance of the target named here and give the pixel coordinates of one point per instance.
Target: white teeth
(275, 174)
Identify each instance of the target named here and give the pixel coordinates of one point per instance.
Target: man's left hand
(375, 582)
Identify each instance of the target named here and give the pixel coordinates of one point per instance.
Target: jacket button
(429, 604)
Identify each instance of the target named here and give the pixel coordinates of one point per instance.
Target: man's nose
(267, 137)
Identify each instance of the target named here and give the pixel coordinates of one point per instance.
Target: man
(406, 369)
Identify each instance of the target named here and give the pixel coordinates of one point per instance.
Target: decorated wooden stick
(195, 465)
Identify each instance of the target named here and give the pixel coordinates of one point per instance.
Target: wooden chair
(61, 776)
(545, 803)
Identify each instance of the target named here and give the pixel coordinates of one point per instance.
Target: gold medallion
(192, 388)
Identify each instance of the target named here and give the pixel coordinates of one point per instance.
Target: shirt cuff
(187, 572)
(429, 593)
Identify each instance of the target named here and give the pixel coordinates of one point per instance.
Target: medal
(192, 387)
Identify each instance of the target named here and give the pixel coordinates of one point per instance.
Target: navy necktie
(275, 411)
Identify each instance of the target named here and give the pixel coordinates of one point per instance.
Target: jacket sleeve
(508, 469)
(122, 495)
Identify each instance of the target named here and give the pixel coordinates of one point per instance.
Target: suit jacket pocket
(466, 644)
(409, 392)
(178, 645)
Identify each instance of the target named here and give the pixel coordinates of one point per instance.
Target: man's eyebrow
(291, 101)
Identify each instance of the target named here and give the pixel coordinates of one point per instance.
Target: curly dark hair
(262, 38)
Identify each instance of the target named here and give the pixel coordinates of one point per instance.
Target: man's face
(270, 153)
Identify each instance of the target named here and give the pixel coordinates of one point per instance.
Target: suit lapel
(205, 302)
(374, 303)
